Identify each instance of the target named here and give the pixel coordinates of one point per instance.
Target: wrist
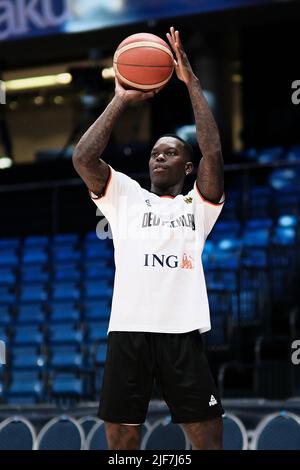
(192, 81)
(120, 100)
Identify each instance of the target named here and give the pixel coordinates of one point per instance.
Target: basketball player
(160, 304)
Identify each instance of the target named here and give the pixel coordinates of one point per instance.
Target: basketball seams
(140, 44)
(146, 66)
(141, 87)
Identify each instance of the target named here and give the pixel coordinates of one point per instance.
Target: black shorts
(176, 361)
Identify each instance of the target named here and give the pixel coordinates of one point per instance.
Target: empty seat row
(55, 334)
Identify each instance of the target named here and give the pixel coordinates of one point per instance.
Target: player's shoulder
(124, 179)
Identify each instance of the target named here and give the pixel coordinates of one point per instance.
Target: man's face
(167, 162)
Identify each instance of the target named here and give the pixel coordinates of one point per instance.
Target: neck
(169, 191)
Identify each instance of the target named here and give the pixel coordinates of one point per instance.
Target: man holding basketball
(160, 304)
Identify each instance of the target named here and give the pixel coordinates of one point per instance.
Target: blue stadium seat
(5, 315)
(255, 286)
(249, 307)
(219, 336)
(260, 192)
(7, 276)
(87, 423)
(16, 433)
(97, 247)
(232, 207)
(33, 314)
(27, 360)
(226, 229)
(260, 202)
(283, 178)
(234, 433)
(98, 250)
(28, 335)
(63, 312)
(92, 237)
(34, 256)
(254, 258)
(8, 257)
(223, 254)
(287, 198)
(99, 271)
(221, 281)
(256, 238)
(35, 241)
(100, 353)
(3, 368)
(69, 385)
(98, 380)
(34, 274)
(97, 289)
(96, 438)
(65, 291)
(7, 295)
(97, 331)
(270, 155)
(66, 358)
(4, 334)
(253, 224)
(61, 433)
(26, 384)
(293, 153)
(33, 293)
(165, 435)
(284, 236)
(96, 310)
(70, 239)
(65, 334)
(66, 272)
(62, 255)
(278, 431)
(9, 243)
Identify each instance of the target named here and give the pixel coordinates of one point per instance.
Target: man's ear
(189, 168)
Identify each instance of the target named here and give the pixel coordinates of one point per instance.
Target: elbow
(77, 157)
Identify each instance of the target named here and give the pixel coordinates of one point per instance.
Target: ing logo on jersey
(169, 261)
(187, 262)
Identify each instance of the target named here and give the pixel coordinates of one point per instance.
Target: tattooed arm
(210, 179)
(86, 157)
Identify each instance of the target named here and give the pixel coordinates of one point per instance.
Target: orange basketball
(143, 61)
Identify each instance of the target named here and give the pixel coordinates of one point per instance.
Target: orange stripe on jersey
(205, 200)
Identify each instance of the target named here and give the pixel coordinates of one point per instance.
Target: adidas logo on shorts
(212, 401)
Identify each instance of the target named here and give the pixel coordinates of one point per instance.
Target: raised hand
(182, 65)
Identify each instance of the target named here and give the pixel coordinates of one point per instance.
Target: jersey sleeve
(119, 189)
(209, 211)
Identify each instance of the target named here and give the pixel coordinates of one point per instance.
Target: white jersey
(159, 282)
